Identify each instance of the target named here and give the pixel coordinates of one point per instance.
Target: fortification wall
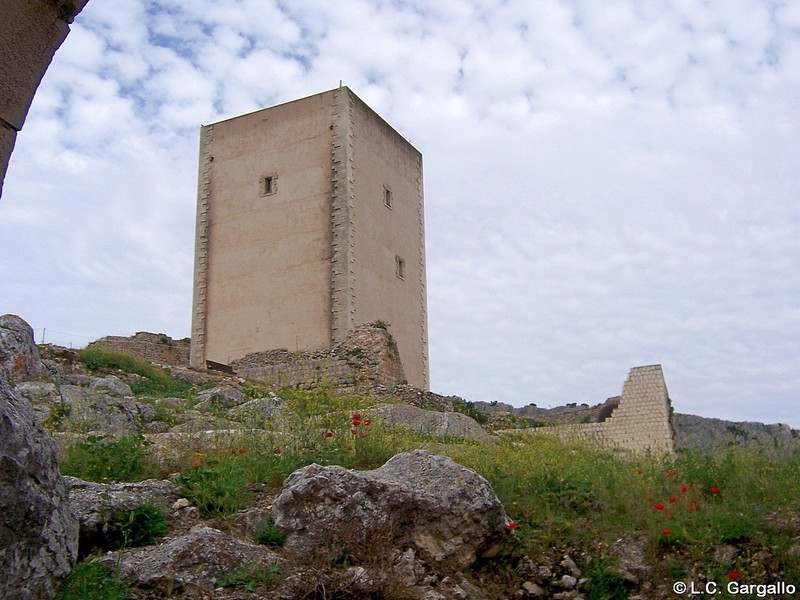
(641, 422)
(154, 347)
(367, 358)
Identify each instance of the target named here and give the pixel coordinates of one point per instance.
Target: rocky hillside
(194, 485)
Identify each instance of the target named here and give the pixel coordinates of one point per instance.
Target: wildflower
(733, 575)
(511, 526)
(714, 490)
(367, 422)
(693, 506)
(356, 422)
(242, 450)
(233, 451)
(601, 546)
(665, 532)
(328, 434)
(195, 464)
(684, 489)
(356, 416)
(353, 431)
(658, 506)
(672, 499)
(277, 451)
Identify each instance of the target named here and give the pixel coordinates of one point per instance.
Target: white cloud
(606, 186)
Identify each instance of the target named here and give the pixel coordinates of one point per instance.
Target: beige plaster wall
(267, 269)
(382, 157)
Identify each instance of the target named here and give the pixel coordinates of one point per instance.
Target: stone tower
(310, 221)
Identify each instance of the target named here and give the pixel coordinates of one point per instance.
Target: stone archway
(30, 33)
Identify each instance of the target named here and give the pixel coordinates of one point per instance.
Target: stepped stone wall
(641, 421)
(154, 347)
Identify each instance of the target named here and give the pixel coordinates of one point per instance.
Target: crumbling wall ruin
(639, 423)
(153, 347)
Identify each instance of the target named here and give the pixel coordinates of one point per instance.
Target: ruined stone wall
(30, 33)
(367, 358)
(153, 347)
(641, 422)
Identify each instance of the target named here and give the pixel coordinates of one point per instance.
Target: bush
(269, 535)
(141, 526)
(101, 459)
(216, 487)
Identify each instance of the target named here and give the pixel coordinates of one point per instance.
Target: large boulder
(448, 514)
(19, 357)
(38, 531)
(190, 563)
(98, 504)
(431, 422)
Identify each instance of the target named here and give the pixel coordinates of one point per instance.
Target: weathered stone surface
(97, 410)
(19, 358)
(38, 531)
(190, 563)
(258, 411)
(703, 433)
(442, 424)
(447, 513)
(95, 504)
(224, 396)
(111, 384)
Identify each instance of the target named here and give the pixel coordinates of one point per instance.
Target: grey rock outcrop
(448, 514)
(441, 424)
(189, 563)
(224, 396)
(19, 357)
(693, 432)
(96, 504)
(38, 531)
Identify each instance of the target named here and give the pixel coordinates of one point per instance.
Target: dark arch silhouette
(30, 33)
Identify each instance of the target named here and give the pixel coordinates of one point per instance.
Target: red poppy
(356, 422)
(600, 546)
(196, 464)
(233, 451)
(511, 526)
(353, 431)
(714, 490)
(672, 499)
(356, 416)
(665, 532)
(658, 506)
(733, 575)
(367, 422)
(242, 450)
(684, 489)
(328, 434)
(693, 506)
(277, 451)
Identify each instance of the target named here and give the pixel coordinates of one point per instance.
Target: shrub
(100, 459)
(269, 535)
(93, 580)
(141, 526)
(216, 486)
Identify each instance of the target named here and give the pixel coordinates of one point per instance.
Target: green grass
(563, 496)
(153, 380)
(102, 459)
(93, 581)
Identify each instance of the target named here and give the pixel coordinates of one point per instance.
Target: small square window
(268, 184)
(387, 196)
(400, 267)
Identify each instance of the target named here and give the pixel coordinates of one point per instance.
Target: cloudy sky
(608, 184)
